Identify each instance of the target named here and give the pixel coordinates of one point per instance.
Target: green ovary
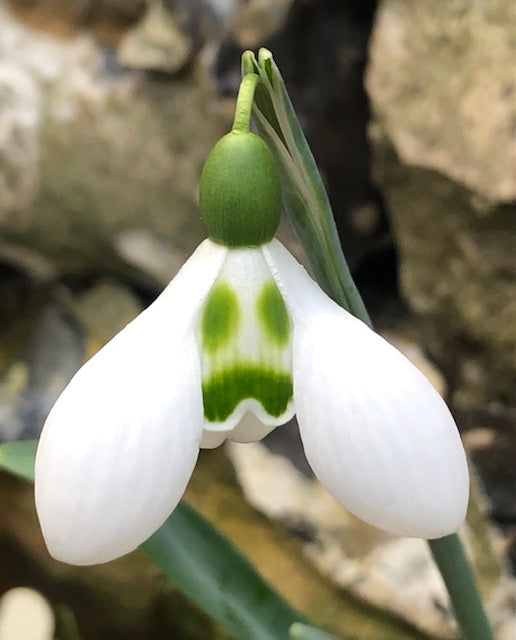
(223, 392)
(220, 318)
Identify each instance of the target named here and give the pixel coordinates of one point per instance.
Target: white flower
(242, 330)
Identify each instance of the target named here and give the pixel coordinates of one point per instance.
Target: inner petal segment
(245, 338)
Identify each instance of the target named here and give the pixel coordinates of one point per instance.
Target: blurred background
(108, 109)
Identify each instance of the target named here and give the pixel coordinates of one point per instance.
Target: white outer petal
(375, 431)
(120, 444)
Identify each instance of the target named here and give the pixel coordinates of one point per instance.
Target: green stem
(244, 103)
(457, 574)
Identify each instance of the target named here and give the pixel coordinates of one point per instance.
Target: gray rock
(53, 353)
(442, 88)
(458, 271)
(41, 362)
(48, 336)
(156, 42)
(443, 85)
(89, 180)
(254, 21)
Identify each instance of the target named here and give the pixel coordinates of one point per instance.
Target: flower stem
(244, 103)
(457, 574)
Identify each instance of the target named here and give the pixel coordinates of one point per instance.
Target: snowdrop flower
(242, 328)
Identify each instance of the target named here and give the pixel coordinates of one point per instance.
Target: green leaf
(18, 458)
(299, 631)
(218, 578)
(304, 195)
(201, 563)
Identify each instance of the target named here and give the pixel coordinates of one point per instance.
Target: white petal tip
(69, 554)
(376, 433)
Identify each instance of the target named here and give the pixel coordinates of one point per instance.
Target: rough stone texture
(458, 270)
(47, 335)
(442, 89)
(443, 83)
(78, 12)
(155, 43)
(255, 21)
(25, 613)
(95, 184)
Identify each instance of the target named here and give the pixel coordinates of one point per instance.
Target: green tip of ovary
(224, 391)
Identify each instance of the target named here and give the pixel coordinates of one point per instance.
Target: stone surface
(48, 334)
(77, 13)
(31, 383)
(94, 183)
(443, 84)
(443, 93)
(491, 441)
(458, 271)
(254, 21)
(155, 43)
(25, 614)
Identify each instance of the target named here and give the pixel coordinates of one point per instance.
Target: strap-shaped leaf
(18, 458)
(304, 195)
(300, 631)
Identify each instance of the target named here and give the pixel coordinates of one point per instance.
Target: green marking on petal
(273, 314)
(220, 317)
(223, 392)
